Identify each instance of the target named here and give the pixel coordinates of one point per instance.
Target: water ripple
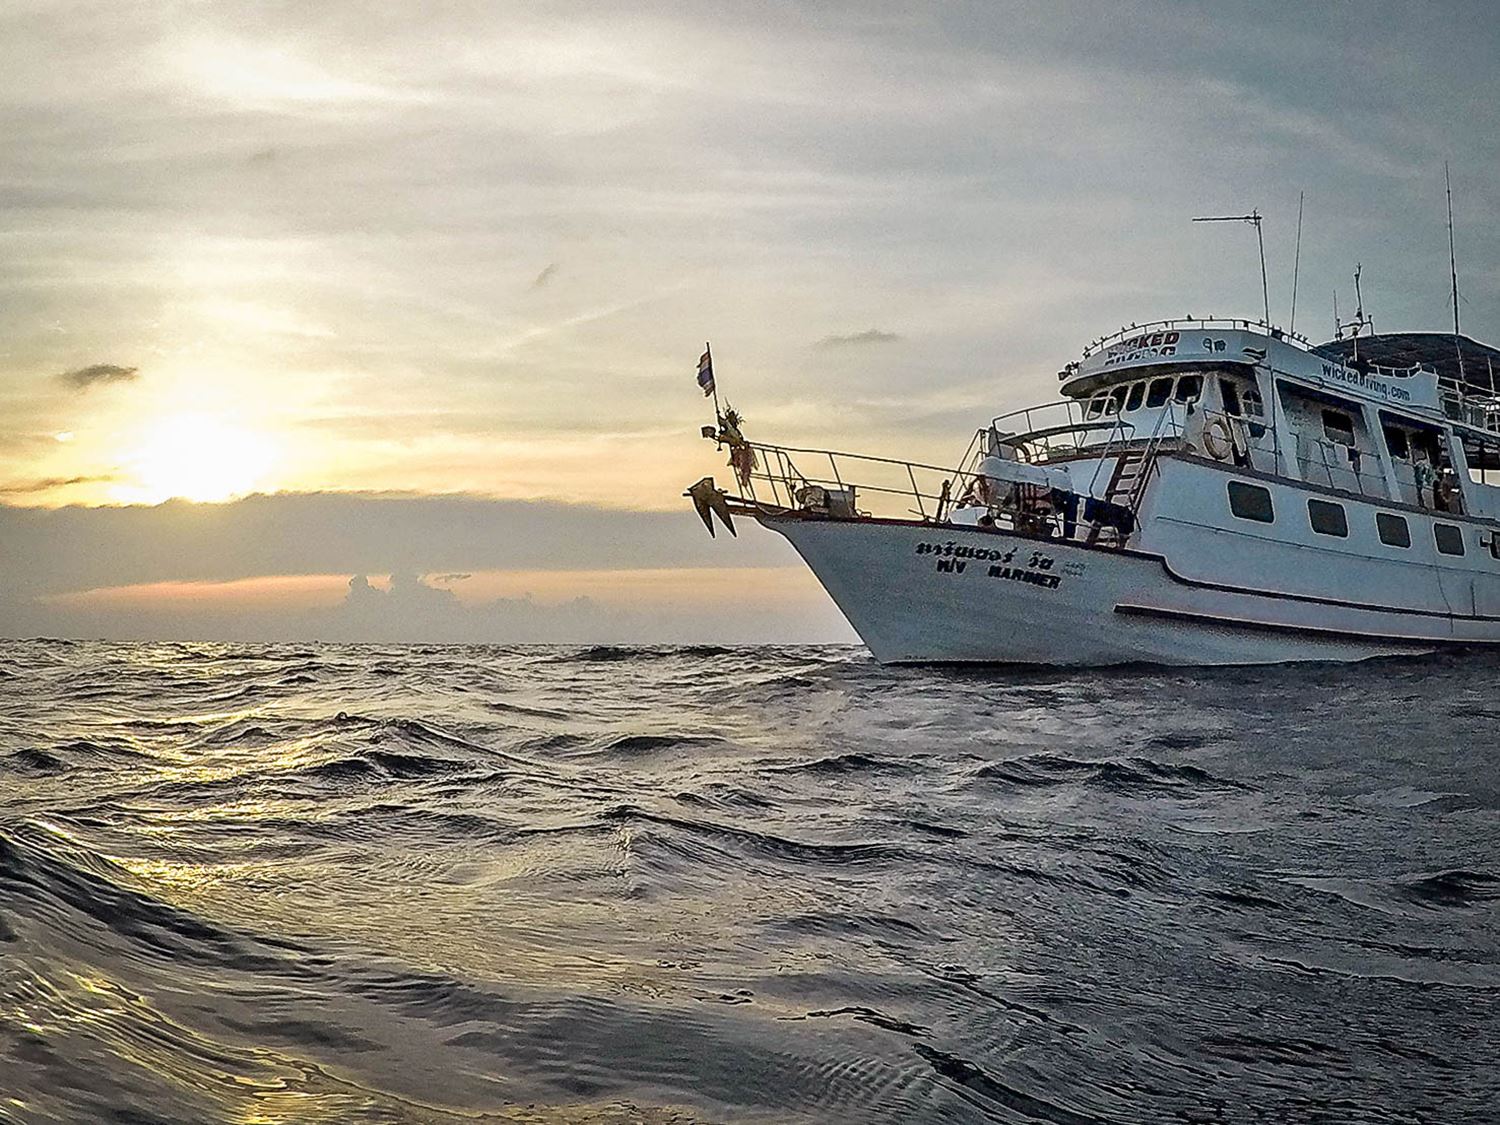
(444, 884)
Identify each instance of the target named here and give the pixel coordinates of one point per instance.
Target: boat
(1203, 492)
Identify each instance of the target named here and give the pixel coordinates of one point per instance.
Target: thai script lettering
(954, 558)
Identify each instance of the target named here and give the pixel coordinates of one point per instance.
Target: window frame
(1384, 519)
(1314, 504)
(1390, 447)
(1236, 488)
(1165, 382)
(1229, 394)
(1458, 538)
(1196, 394)
(1338, 437)
(1133, 399)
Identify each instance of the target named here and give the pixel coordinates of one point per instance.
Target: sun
(203, 457)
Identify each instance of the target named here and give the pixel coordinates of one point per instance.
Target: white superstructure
(1205, 492)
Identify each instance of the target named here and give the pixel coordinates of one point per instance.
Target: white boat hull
(916, 593)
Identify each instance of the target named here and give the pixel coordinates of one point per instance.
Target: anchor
(708, 499)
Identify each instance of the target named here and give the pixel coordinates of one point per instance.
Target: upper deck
(1175, 345)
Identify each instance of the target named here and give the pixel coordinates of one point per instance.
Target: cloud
(46, 551)
(700, 607)
(411, 609)
(48, 484)
(267, 567)
(859, 339)
(790, 172)
(98, 375)
(408, 602)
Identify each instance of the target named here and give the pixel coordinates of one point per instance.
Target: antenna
(1359, 303)
(1291, 324)
(1253, 219)
(1453, 268)
(1360, 321)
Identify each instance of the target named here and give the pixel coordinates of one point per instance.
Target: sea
(265, 884)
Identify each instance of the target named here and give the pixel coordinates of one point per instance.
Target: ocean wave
(1125, 775)
(458, 883)
(1455, 888)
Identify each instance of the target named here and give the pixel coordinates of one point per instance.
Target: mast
(1291, 324)
(1453, 270)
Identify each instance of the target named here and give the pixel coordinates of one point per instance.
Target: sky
(369, 321)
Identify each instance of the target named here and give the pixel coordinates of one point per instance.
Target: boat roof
(1435, 351)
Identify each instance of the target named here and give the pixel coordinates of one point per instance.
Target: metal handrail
(1077, 424)
(1198, 323)
(1072, 407)
(1479, 411)
(778, 468)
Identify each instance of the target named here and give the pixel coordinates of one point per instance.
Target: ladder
(1132, 473)
(1127, 484)
(1129, 478)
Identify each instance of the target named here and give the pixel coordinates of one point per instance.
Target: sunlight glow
(260, 74)
(198, 457)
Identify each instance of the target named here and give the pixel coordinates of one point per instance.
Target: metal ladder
(1132, 467)
(1131, 475)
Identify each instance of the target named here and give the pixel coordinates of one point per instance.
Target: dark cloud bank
(47, 552)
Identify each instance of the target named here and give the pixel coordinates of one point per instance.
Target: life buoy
(1218, 439)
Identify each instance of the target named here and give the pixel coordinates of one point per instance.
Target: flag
(706, 374)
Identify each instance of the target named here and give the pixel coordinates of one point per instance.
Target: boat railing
(1196, 324)
(1057, 429)
(1386, 371)
(791, 477)
(1471, 406)
(1030, 419)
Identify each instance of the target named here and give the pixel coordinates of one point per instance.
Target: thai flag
(706, 374)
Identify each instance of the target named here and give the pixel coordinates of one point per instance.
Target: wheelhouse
(1391, 417)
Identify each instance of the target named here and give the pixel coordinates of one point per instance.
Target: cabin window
(1095, 407)
(1157, 394)
(1339, 427)
(1189, 388)
(1395, 441)
(1328, 518)
(1136, 391)
(1251, 502)
(1450, 539)
(1231, 395)
(1254, 408)
(1116, 400)
(1393, 530)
